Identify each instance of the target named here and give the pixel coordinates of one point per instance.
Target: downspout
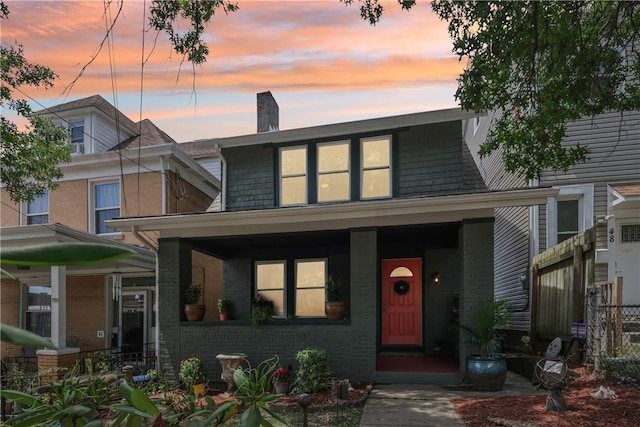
(223, 162)
(164, 184)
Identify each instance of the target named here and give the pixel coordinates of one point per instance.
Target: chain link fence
(613, 341)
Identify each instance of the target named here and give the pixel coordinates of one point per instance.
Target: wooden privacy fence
(560, 277)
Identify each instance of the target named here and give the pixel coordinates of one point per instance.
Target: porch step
(436, 378)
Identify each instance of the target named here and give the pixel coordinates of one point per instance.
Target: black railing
(142, 357)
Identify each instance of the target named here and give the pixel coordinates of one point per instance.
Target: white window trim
(85, 146)
(306, 175)
(476, 124)
(362, 168)
(348, 170)
(582, 193)
(24, 298)
(92, 205)
(24, 211)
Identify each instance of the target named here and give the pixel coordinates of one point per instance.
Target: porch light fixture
(436, 278)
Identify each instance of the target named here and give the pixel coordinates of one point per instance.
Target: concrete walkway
(413, 405)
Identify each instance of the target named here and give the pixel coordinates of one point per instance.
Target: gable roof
(340, 129)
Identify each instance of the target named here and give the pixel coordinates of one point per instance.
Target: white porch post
(59, 306)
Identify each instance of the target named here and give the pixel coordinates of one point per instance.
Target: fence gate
(613, 339)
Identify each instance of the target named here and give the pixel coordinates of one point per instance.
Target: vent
(631, 233)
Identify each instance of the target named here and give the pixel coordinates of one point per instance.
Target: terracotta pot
(224, 316)
(194, 311)
(334, 309)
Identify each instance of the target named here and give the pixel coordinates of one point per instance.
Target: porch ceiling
(27, 235)
(344, 216)
(430, 236)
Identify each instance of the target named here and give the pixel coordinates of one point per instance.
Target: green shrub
(313, 371)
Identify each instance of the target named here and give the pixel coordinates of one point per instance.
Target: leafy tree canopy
(29, 159)
(541, 64)
(167, 14)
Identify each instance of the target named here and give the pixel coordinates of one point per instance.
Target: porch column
(59, 306)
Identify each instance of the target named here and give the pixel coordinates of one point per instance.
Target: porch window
(310, 280)
(38, 310)
(376, 167)
(38, 210)
(333, 171)
(271, 283)
(106, 205)
(302, 295)
(293, 176)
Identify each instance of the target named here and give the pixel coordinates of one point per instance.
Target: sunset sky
(320, 60)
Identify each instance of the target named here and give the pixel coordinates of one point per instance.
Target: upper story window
(376, 167)
(293, 176)
(77, 137)
(106, 205)
(328, 171)
(307, 286)
(37, 211)
(570, 213)
(333, 171)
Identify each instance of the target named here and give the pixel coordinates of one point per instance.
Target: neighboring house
(386, 205)
(118, 168)
(603, 192)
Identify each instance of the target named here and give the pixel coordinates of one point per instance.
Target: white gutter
(163, 163)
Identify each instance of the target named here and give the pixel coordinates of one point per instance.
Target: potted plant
(281, 379)
(193, 375)
(488, 370)
(334, 306)
(261, 309)
(193, 310)
(224, 308)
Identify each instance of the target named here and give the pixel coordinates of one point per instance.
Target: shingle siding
(250, 178)
(429, 160)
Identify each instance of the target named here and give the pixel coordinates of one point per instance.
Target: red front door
(402, 302)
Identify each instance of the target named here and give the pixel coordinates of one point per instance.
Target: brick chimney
(268, 113)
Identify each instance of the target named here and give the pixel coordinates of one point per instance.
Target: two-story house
(603, 192)
(118, 168)
(392, 206)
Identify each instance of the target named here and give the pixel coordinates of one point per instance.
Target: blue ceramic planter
(487, 373)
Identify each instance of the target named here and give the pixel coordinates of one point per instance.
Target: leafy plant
(192, 293)
(333, 289)
(172, 408)
(68, 402)
(261, 309)
(254, 388)
(192, 371)
(281, 375)
(224, 305)
(313, 371)
(489, 317)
